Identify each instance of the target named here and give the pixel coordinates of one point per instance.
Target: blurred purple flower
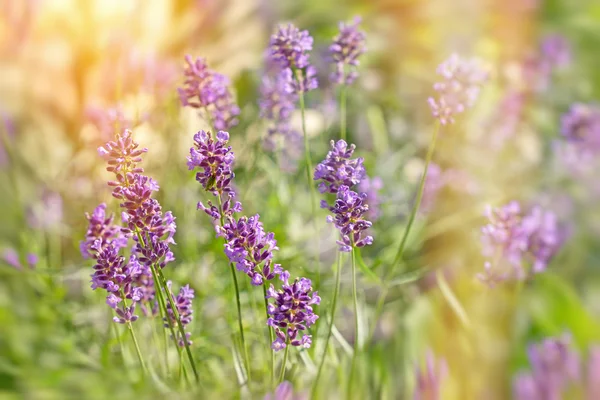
(11, 257)
(459, 89)
(348, 211)
(545, 236)
(338, 168)
(48, 213)
(593, 373)
(347, 47)
(183, 302)
(289, 47)
(556, 51)
(208, 90)
(580, 126)
(108, 121)
(291, 312)
(434, 182)
(285, 391)
(429, 379)
(554, 366)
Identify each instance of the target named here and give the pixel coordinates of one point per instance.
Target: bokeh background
(64, 63)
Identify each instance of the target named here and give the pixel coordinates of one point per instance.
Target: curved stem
(413, 213)
(343, 96)
(283, 364)
(237, 297)
(330, 330)
(137, 347)
(270, 333)
(356, 338)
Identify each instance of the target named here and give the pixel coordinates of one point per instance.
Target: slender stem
(356, 337)
(270, 334)
(137, 347)
(283, 364)
(120, 341)
(413, 213)
(179, 324)
(343, 92)
(237, 298)
(330, 330)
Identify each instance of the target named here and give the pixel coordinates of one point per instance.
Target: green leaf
(363, 267)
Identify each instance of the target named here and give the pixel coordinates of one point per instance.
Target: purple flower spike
(183, 302)
(289, 47)
(100, 228)
(580, 126)
(429, 379)
(285, 391)
(208, 90)
(459, 89)
(250, 248)
(512, 239)
(214, 158)
(347, 47)
(339, 168)
(291, 312)
(348, 216)
(554, 366)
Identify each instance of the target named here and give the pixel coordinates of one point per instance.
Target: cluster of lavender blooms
(183, 302)
(429, 380)
(143, 221)
(337, 173)
(580, 127)
(345, 50)
(511, 239)
(247, 245)
(289, 48)
(459, 89)
(208, 90)
(556, 368)
(291, 312)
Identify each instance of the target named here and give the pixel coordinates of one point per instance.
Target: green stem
(270, 334)
(137, 347)
(413, 213)
(330, 330)
(356, 337)
(237, 298)
(343, 111)
(283, 364)
(179, 324)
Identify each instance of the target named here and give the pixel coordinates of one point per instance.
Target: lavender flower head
(339, 169)
(11, 257)
(183, 303)
(554, 366)
(250, 248)
(580, 126)
(291, 312)
(289, 47)
(556, 51)
(208, 90)
(285, 391)
(459, 89)
(100, 227)
(512, 239)
(345, 50)
(429, 379)
(348, 211)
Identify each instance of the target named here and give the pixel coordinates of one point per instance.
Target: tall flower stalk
(141, 279)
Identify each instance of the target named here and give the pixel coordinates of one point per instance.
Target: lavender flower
(554, 366)
(250, 248)
(429, 379)
(208, 90)
(100, 227)
(291, 312)
(285, 391)
(339, 169)
(514, 239)
(556, 51)
(47, 214)
(289, 47)
(347, 46)
(348, 216)
(11, 257)
(581, 127)
(459, 89)
(183, 302)
(214, 158)
(372, 187)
